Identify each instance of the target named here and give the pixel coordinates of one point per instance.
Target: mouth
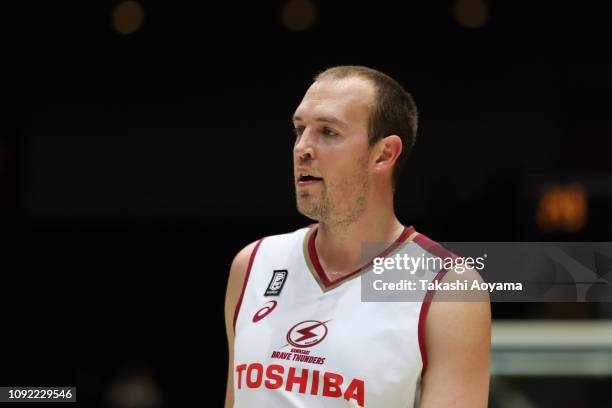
(305, 179)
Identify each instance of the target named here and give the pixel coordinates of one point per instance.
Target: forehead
(346, 99)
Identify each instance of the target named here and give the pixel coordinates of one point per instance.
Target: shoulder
(245, 257)
(432, 246)
(239, 270)
(457, 337)
(461, 309)
(242, 258)
(457, 309)
(456, 269)
(458, 341)
(238, 275)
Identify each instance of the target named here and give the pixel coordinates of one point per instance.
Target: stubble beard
(337, 213)
(311, 206)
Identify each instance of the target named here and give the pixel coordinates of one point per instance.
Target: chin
(310, 216)
(307, 209)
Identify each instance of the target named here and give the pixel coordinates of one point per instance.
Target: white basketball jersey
(302, 340)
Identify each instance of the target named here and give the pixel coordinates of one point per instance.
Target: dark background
(134, 166)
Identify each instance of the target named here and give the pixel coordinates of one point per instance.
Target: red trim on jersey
(438, 250)
(246, 279)
(314, 258)
(433, 247)
(423, 315)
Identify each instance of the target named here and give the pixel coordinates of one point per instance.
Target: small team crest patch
(276, 283)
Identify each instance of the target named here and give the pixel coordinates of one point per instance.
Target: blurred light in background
(562, 208)
(128, 17)
(298, 15)
(134, 388)
(471, 13)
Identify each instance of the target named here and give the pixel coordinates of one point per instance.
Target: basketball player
(298, 333)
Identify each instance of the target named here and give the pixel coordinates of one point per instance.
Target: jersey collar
(314, 265)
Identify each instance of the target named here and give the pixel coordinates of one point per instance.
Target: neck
(339, 246)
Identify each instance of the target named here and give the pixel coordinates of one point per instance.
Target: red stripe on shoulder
(246, 279)
(438, 250)
(433, 247)
(423, 315)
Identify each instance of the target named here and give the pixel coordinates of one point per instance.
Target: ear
(387, 151)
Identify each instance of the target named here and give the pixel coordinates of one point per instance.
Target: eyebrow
(327, 119)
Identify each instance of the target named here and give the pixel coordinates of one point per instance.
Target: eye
(329, 132)
(298, 130)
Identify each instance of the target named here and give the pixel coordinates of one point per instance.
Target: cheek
(343, 163)
(346, 174)
(342, 156)
(336, 166)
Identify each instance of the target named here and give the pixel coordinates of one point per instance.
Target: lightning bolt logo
(307, 333)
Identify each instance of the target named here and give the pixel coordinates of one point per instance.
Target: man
(298, 332)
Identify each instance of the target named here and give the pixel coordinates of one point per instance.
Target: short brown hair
(394, 111)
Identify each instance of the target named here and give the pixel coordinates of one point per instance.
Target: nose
(303, 150)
